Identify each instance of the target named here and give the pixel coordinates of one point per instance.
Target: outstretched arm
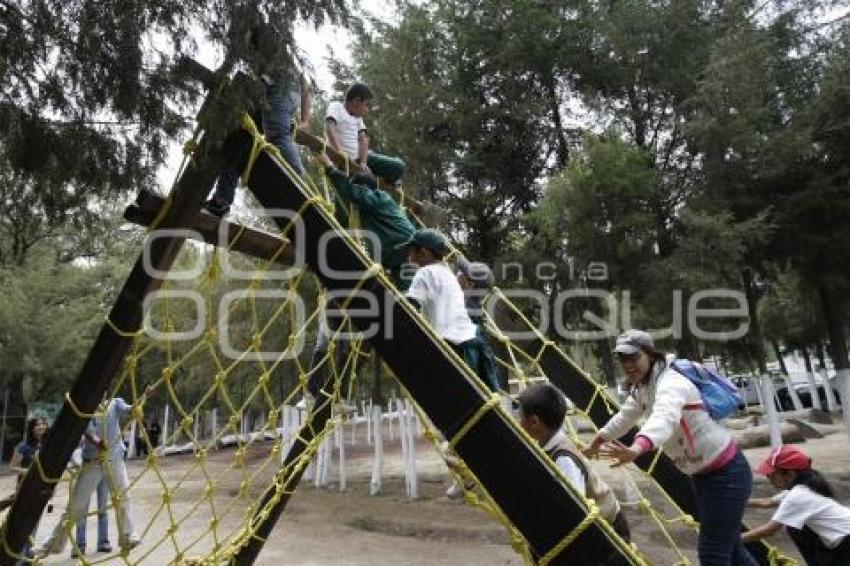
(762, 503)
(766, 530)
(616, 426)
(351, 192)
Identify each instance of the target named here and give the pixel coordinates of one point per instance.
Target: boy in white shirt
(436, 291)
(344, 126)
(818, 525)
(346, 132)
(542, 409)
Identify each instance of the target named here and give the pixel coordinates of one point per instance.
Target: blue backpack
(720, 396)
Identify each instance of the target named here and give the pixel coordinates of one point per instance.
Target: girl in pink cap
(806, 507)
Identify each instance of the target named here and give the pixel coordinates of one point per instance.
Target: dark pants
(722, 496)
(474, 353)
(277, 114)
(815, 552)
(621, 526)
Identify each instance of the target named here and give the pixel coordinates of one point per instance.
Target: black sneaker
(216, 208)
(106, 547)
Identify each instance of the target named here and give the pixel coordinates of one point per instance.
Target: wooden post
(327, 447)
(367, 410)
(405, 447)
(390, 404)
(319, 463)
(131, 444)
(196, 433)
(378, 461)
(214, 425)
(164, 439)
(343, 478)
(413, 480)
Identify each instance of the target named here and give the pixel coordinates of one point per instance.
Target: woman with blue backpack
(679, 401)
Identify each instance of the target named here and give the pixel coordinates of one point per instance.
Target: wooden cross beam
(216, 231)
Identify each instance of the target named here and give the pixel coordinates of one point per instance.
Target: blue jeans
(721, 498)
(281, 106)
(102, 518)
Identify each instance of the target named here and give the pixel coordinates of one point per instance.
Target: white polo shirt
(800, 506)
(436, 289)
(349, 127)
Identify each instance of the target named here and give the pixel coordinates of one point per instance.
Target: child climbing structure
(549, 521)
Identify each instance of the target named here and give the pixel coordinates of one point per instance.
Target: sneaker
(216, 208)
(455, 491)
(42, 550)
(104, 547)
(130, 543)
(306, 402)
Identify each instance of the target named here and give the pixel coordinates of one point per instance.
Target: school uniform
(436, 289)
(819, 525)
(586, 481)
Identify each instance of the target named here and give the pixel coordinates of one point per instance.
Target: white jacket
(671, 405)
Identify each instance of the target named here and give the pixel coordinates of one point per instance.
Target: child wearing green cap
(436, 291)
(387, 221)
(380, 215)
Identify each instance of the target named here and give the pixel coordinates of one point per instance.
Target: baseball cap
(386, 167)
(633, 341)
(479, 273)
(786, 457)
(427, 238)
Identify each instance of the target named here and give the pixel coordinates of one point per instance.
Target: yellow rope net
(232, 382)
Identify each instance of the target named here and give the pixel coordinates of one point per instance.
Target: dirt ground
(324, 526)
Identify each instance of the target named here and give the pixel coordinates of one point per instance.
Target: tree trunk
(819, 351)
(831, 308)
(377, 393)
(756, 339)
(832, 311)
(778, 353)
(810, 377)
(687, 347)
(606, 362)
(555, 107)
